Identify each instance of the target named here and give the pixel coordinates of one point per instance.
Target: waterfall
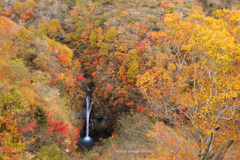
(88, 111)
(87, 141)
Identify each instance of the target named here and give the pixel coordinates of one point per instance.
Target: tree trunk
(222, 151)
(205, 155)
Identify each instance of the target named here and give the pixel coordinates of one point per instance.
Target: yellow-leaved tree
(195, 83)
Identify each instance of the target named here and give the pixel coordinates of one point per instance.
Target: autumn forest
(164, 76)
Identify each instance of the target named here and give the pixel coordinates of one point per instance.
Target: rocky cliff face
(211, 5)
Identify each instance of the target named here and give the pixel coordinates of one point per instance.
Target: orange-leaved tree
(195, 83)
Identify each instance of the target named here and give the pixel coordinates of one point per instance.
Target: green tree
(40, 116)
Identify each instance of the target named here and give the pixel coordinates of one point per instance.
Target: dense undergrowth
(165, 75)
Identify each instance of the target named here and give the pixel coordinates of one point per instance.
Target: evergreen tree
(40, 115)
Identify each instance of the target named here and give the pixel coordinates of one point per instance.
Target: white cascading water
(88, 111)
(87, 141)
